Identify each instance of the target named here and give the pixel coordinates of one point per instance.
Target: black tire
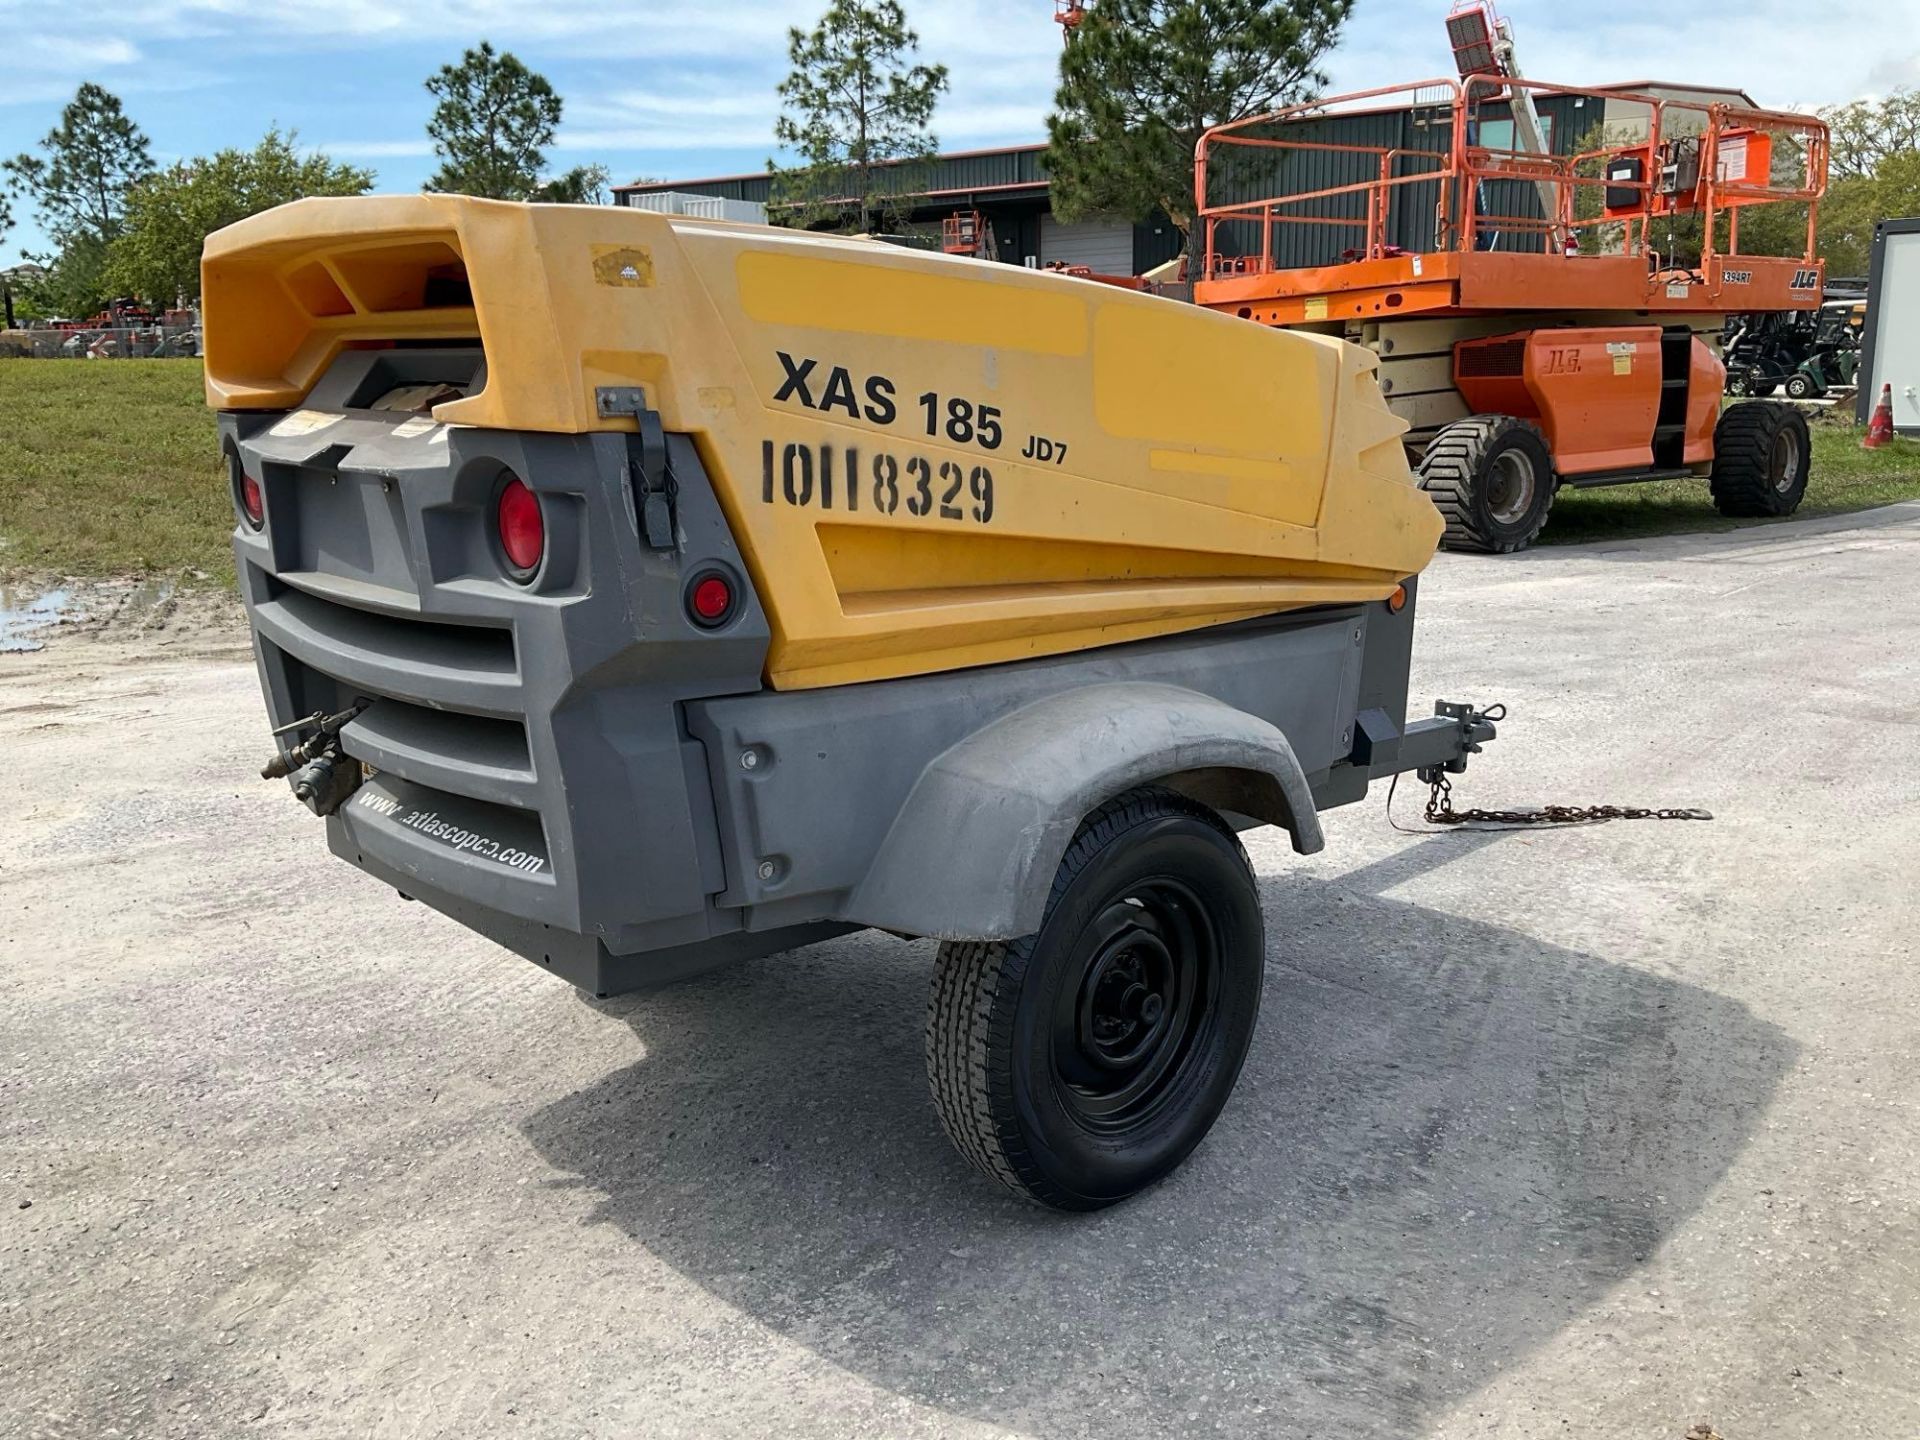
(1762, 454)
(1802, 386)
(1491, 477)
(1080, 1064)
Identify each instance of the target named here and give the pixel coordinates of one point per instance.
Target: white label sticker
(418, 425)
(1731, 163)
(1419, 266)
(1679, 292)
(305, 422)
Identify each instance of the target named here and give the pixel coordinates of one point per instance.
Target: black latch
(1476, 727)
(648, 470)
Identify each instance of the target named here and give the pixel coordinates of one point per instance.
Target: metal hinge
(649, 472)
(616, 400)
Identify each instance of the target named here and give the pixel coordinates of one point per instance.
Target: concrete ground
(1608, 1132)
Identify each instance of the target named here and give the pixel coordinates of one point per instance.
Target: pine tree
(492, 126)
(855, 109)
(1142, 80)
(88, 163)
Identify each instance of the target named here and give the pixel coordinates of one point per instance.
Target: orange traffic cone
(1880, 431)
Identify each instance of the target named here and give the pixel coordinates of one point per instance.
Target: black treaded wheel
(1081, 1064)
(1762, 454)
(1491, 477)
(1802, 386)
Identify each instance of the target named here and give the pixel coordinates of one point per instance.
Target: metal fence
(136, 342)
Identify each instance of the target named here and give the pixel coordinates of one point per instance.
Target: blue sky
(686, 89)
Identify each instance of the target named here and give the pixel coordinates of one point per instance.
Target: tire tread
(966, 1027)
(1451, 468)
(1743, 446)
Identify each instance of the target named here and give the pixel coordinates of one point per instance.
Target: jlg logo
(1563, 362)
(1806, 280)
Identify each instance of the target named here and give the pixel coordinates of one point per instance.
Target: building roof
(1673, 87)
(944, 159)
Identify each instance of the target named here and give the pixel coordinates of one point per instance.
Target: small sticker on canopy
(628, 265)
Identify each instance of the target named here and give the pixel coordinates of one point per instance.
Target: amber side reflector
(1397, 601)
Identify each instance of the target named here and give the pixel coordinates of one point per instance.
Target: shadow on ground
(1450, 1139)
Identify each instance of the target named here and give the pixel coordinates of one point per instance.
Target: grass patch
(1844, 478)
(111, 467)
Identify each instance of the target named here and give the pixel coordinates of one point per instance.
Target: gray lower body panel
(568, 765)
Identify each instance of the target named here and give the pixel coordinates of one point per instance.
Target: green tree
(1875, 164)
(582, 185)
(170, 213)
(6, 288)
(88, 163)
(75, 283)
(491, 126)
(1867, 132)
(1855, 204)
(855, 109)
(1142, 80)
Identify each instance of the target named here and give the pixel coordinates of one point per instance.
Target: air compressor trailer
(650, 593)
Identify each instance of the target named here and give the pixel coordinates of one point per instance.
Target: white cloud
(64, 52)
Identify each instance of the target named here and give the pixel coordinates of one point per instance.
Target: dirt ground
(1608, 1132)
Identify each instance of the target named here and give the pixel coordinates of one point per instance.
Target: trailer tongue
(648, 594)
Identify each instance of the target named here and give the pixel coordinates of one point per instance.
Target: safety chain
(1440, 811)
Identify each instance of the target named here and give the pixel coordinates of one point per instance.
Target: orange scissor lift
(1540, 329)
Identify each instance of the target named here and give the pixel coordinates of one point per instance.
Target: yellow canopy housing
(928, 462)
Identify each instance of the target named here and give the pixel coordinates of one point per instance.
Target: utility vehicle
(1545, 272)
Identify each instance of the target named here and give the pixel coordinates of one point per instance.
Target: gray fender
(973, 851)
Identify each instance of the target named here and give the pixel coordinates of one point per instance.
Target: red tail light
(253, 504)
(710, 600)
(522, 529)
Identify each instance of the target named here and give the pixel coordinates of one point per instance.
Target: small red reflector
(252, 501)
(712, 598)
(523, 531)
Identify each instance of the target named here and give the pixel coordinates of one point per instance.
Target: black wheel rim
(1510, 487)
(1149, 972)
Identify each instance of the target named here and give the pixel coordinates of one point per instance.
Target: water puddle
(23, 614)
